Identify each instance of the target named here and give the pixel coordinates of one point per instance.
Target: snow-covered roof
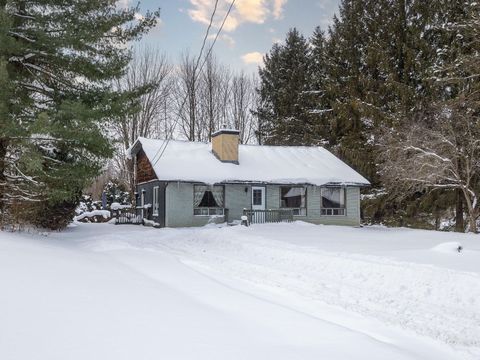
(194, 161)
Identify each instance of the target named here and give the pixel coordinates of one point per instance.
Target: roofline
(252, 182)
(226, 131)
(137, 145)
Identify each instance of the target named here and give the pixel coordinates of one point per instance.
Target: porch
(268, 216)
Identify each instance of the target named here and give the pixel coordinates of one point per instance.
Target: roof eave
(250, 182)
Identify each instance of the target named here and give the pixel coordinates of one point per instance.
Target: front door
(258, 203)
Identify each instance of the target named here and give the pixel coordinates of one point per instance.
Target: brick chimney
(225, 145)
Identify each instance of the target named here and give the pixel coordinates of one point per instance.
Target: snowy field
(283, 291)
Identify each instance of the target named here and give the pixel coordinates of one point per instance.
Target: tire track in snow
(441, 303)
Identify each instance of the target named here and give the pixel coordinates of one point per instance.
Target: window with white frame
(155, 201)
(333, 201)
(295, 198)
(208, 200)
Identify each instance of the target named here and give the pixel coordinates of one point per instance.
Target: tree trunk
(472, 218)
(459, 222)
(472, 211)
(3, 178)
(130, 167)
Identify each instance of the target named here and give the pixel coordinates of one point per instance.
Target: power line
(218, 32)
(205, 38)
(206, 34)
(161, 151)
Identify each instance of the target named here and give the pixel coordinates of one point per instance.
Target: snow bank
(151, 223)
(61, 301)
(118, 206)
(88, 214)
(448, 247)
(283, 291)
(194, 161)
(417, 292)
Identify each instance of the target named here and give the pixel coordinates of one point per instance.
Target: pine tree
(445, 121)
(285, 111)
(320, 96)
(57, 61)
(116, 192)
(455, 78)
(349, 87)
(384, 66)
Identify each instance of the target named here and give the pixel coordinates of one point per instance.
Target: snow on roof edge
(261, 164)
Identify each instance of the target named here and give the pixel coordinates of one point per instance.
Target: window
(333, 201)
(257, 197)
(155, 201)
(208, 200)
(292, 197)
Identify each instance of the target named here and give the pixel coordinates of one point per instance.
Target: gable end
(144, 168)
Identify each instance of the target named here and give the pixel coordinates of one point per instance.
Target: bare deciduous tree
(149, 69)
(214, 85)
(191, 100)
(208, 97)
(442, 153)
(441, 149)
(187, 96)
(243, 99)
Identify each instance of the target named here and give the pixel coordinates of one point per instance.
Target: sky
(251, 29)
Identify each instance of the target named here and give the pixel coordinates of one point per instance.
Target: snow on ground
(280, 291)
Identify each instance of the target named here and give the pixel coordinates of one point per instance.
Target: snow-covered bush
(116, 196)
(116, 192)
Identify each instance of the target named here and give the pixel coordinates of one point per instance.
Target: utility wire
(197, 62)
(162, 148)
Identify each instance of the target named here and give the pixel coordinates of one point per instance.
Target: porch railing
(128, 216)
(268, 216)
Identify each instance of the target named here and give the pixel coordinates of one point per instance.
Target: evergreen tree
(285, 111)
(116, 192)
(57, 60)
(446, 106)
(320, 96)
(346, 87)
(383, 64)
(370, 77)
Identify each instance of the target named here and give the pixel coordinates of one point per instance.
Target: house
(182, 183)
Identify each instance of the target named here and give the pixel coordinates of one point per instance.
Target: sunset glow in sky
(250, 30)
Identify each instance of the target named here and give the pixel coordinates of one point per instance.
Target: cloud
(278, 8)
(255, 11)
(200, 11)
(244, 11)
(253, 58)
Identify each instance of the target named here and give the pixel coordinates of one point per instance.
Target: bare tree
(441, 148)
(187, 97)
(442, 152)
(242, 100)
(214, 92)
(149, 69)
